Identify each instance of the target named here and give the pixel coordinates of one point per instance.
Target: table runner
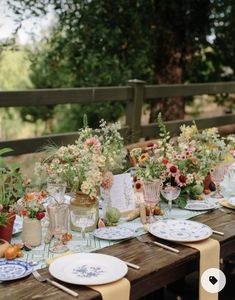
(209, 258)
(41, 253)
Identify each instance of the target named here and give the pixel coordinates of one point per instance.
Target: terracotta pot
(3, 246)
(32, 232)
(6, 231)
(83, 203)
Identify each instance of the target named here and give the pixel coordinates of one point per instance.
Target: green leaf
(5, 150)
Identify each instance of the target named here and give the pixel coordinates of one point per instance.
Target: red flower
(165, 161)
(173, 169)
(182, 178)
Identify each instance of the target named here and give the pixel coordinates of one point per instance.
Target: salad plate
(180, 230)
(14, 269)
(88, 268)
(200, 205)
(113, 233)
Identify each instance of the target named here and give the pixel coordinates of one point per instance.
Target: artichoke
(112, 216)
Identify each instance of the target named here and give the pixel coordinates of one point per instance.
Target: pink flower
(107, 180)
(181, 180)
(92, 143)
(150, 146)
(138, 186)
(172, 169)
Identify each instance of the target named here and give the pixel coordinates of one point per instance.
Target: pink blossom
(92, 143)
(172, 169)
(107, 180)
(181, 180)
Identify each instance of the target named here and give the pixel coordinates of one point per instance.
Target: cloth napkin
(209, 258)
(117, 290)
(225, 203)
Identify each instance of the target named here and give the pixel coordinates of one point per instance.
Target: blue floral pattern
(87, 271)
(113, 233)
(10, 270)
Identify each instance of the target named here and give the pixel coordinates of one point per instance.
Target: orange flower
(194, 161)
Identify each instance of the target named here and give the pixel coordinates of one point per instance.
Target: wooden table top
(158, 267)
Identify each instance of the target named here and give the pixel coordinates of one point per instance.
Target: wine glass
(170, 193)
(59, 223)
(83, 219)
(56, 191)
(151, 190)
(217, 175)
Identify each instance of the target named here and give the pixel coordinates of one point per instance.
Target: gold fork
(41, 278)
(148, 240)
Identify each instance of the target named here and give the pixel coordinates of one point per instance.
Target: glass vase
(82, 203)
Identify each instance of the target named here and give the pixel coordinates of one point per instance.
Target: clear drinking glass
(59, 225)
(170, 193)
(56, 191)
(217, 175)
(151, 190)
(83, 220)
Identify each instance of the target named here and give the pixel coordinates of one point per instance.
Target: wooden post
(134, 109)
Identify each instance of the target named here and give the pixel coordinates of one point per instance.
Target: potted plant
(11, 189)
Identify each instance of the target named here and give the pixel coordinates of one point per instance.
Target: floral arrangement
(84, 165)
(31, 205)
(185, 161)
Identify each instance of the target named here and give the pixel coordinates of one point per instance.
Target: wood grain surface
(158, 267)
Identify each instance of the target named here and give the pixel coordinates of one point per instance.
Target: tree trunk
(174, 107)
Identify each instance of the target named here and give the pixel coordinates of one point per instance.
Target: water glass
(170, 193)
(59, 225)
(83, 220)
(151, 190)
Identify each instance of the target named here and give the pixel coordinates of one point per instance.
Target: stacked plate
(197, 205)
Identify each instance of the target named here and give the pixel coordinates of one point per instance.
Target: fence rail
(134, 95)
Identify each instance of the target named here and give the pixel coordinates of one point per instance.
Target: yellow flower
(144, 157)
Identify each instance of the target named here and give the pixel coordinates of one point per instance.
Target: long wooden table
(159, 267)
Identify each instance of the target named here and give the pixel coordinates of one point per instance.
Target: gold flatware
(41, 278)
(148, 240)
(131, 265)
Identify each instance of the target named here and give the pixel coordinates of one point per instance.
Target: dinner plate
(199, 205)
(232, 201)
(14, 269)
(88, 268)
(180, 230)
(113, 233)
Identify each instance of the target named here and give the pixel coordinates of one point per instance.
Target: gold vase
(83, 203)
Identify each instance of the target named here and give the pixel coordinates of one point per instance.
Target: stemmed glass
(83, 219)
(151, 190)
(56, 191)
(217, 175)
(59, 223)
(170, 193)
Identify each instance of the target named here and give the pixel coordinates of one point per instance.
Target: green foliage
(104, 42)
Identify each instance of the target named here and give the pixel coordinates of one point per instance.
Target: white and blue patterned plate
(200, 205)
(14, 269)
(180, 230)
(88, 268)
(113, 233)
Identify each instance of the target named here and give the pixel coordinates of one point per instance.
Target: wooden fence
(133, 95)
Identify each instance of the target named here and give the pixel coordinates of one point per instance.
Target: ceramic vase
(32, 232)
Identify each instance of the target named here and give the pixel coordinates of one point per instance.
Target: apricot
(10, 252)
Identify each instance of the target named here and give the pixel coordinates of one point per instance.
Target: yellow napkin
(225, 203)
(117, 290)
(209, 258)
